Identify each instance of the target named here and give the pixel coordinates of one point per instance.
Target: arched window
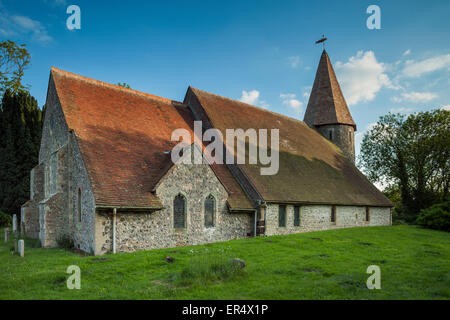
(210, 207)
(79, 205)
(179, 211)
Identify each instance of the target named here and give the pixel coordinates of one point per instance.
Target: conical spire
(326, 103)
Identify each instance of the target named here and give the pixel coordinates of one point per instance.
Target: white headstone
(6, 234)
(14, 223)
(21, 248)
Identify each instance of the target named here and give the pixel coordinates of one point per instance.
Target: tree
(411, 153)
(20, 132)
(14, 59)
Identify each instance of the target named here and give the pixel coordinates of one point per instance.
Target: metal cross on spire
(322, 41)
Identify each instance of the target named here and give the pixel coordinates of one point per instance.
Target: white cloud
(252, 97)
(415, 97)
(447, 107)
(290, 100)
(362, 77)
(403, 110)
(414, 69)
(407, 52)
(294, 61)
(285, 96)
(17, 25)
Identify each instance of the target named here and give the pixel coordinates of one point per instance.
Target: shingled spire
(327, 111)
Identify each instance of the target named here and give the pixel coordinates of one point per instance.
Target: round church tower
(327, 111)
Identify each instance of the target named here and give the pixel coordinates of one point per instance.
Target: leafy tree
(412, 153)
(14, 59)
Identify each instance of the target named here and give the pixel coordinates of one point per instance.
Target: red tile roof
(123, 136)
(312, 169)
(326, 103)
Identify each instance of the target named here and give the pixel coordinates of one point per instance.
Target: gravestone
(14, 223)
(21, 248)
(22, 221)
(6, 234)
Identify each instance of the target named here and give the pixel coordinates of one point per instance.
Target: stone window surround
(333, 210)
(79, 208)
(331, 134)
(367, 216)
(299, 216)
(186, 213)
(285, 215)
(206, 195)
(50, 174)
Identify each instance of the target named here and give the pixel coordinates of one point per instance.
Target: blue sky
(262, 52)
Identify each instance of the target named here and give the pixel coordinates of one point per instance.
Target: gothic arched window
(179, 211)
(210, 207)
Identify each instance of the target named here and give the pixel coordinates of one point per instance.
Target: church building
(105, 179)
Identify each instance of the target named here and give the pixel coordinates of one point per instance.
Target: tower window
(282, 216)
(179, 211)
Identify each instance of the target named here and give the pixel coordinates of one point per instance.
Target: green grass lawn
(414, 262)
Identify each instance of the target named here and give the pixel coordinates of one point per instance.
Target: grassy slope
(331, 264)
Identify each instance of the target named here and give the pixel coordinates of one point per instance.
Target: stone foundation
(317, 217)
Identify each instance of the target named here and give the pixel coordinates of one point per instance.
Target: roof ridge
(253, 106)
(113, 86)
(334, 94)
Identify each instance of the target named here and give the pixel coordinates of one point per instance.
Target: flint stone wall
(83, 232)
(143, 231)
(343, 137)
